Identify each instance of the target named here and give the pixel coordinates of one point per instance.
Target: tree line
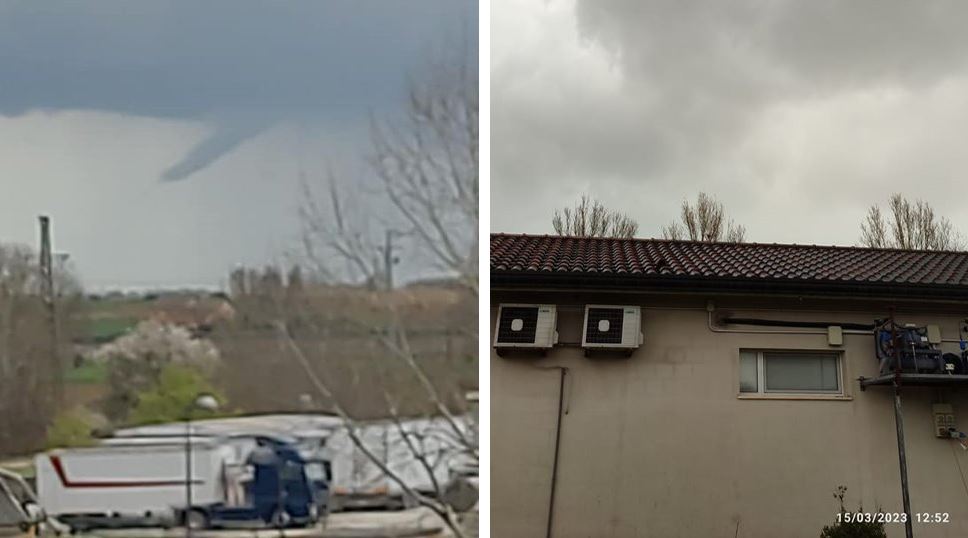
(905, 224)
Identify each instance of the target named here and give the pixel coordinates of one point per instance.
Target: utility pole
(389, 260)
(47, 286)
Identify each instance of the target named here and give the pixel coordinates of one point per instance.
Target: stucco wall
(660, 444)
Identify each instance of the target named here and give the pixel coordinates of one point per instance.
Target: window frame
(763, 392)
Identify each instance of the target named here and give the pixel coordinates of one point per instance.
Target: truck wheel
(280, 519)
(196, 519)
(78, 527)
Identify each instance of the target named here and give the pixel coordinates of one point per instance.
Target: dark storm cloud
(240, 65)
(771, 106)
(100, 99)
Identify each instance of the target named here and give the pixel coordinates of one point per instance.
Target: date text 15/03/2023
(892, 517)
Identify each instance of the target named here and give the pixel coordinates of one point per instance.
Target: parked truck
(279, 493)
(344, 476)
(145, 483)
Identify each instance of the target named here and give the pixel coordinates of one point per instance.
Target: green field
(87, 373)
(107, 328)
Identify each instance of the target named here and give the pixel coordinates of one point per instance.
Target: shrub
(171, 398)
(852, 529)
(73, 428)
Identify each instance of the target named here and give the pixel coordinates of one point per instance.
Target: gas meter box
(944, 419)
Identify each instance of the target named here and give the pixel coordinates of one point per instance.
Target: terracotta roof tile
(656, 258)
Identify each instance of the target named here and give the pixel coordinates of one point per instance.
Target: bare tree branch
(418, 454)
(590, 218)
(401, 348)
(429, 166)
(704, 221)
(912, 226)
(874, 229)
(329, 232)
(444, 511)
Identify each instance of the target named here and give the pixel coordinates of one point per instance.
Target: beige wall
(660, 444)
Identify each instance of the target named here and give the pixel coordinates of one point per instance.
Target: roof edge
(745, 243)
(873, 290)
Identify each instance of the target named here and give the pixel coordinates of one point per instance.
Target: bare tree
(427, 166)
(873, 230)
(28, 380)
(310, 351)
(704, 221)
(911, 226)
(590, 218)
(434, 503)
(330, 232)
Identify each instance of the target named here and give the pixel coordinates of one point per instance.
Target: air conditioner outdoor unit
(525, 326)
(610, 327)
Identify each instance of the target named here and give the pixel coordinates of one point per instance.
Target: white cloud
(96, 174)
(798, 115)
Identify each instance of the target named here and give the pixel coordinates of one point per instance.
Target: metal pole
(899, 425)
(188, 473)
(554, 465)
(902, 461)
(47, 283)
(388, 259)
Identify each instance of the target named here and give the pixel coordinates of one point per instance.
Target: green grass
(107, 329)
(89, 372)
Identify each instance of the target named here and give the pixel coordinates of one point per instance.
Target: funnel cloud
(293, 61)
(227, 137)
(167, 139)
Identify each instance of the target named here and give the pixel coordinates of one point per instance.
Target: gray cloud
(785, 110)
(100, 99)
(222, 61)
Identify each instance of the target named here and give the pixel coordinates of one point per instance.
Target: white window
(812, 372)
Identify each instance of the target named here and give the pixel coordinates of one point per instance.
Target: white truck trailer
(129, 485)
(306, 432)
(358, 482)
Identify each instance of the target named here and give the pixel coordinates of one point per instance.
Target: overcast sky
(166, 139)
(796, 114)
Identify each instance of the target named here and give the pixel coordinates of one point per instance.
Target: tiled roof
(659, 260)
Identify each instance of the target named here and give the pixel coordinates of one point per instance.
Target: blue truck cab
(280, 494)
(319, 472)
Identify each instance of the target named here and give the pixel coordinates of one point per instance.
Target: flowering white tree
(138, 358)
(153, 341)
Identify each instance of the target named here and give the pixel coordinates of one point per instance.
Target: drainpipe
(554, 467)
(562, 410)
(714, 328)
